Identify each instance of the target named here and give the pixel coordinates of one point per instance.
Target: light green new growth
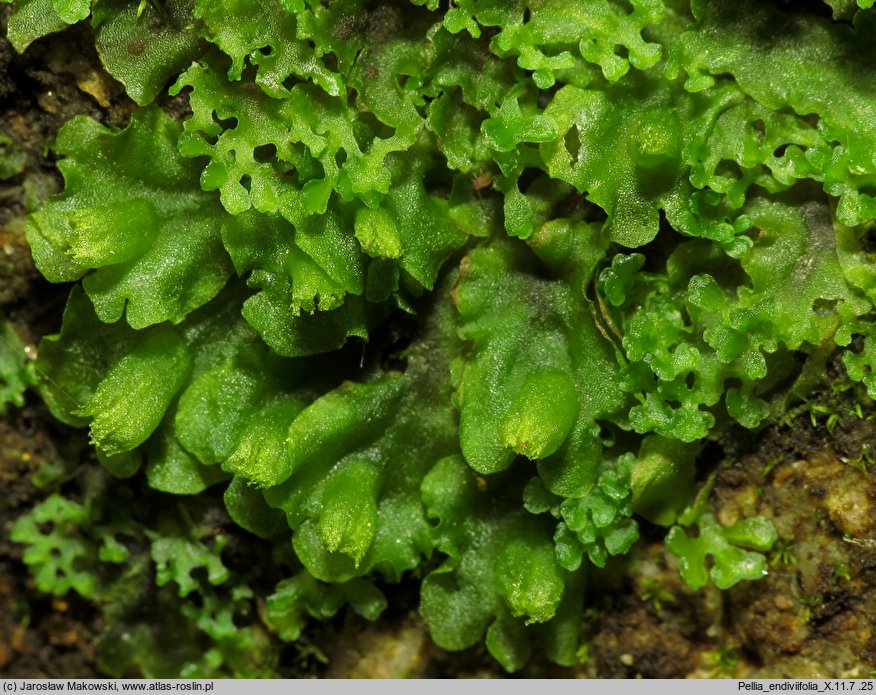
(16, 373)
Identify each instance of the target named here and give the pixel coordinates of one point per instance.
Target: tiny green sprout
(809, 603)
(771, 465)
(656, 594)
(864, 460)
(831, 421)
(307, 653)
(722, 661)
(783, 554)
(141, 7)
(841, 571)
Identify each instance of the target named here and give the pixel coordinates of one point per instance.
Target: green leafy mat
(452, 293)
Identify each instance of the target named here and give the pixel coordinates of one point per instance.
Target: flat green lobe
(130, 401)
(133, 211)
